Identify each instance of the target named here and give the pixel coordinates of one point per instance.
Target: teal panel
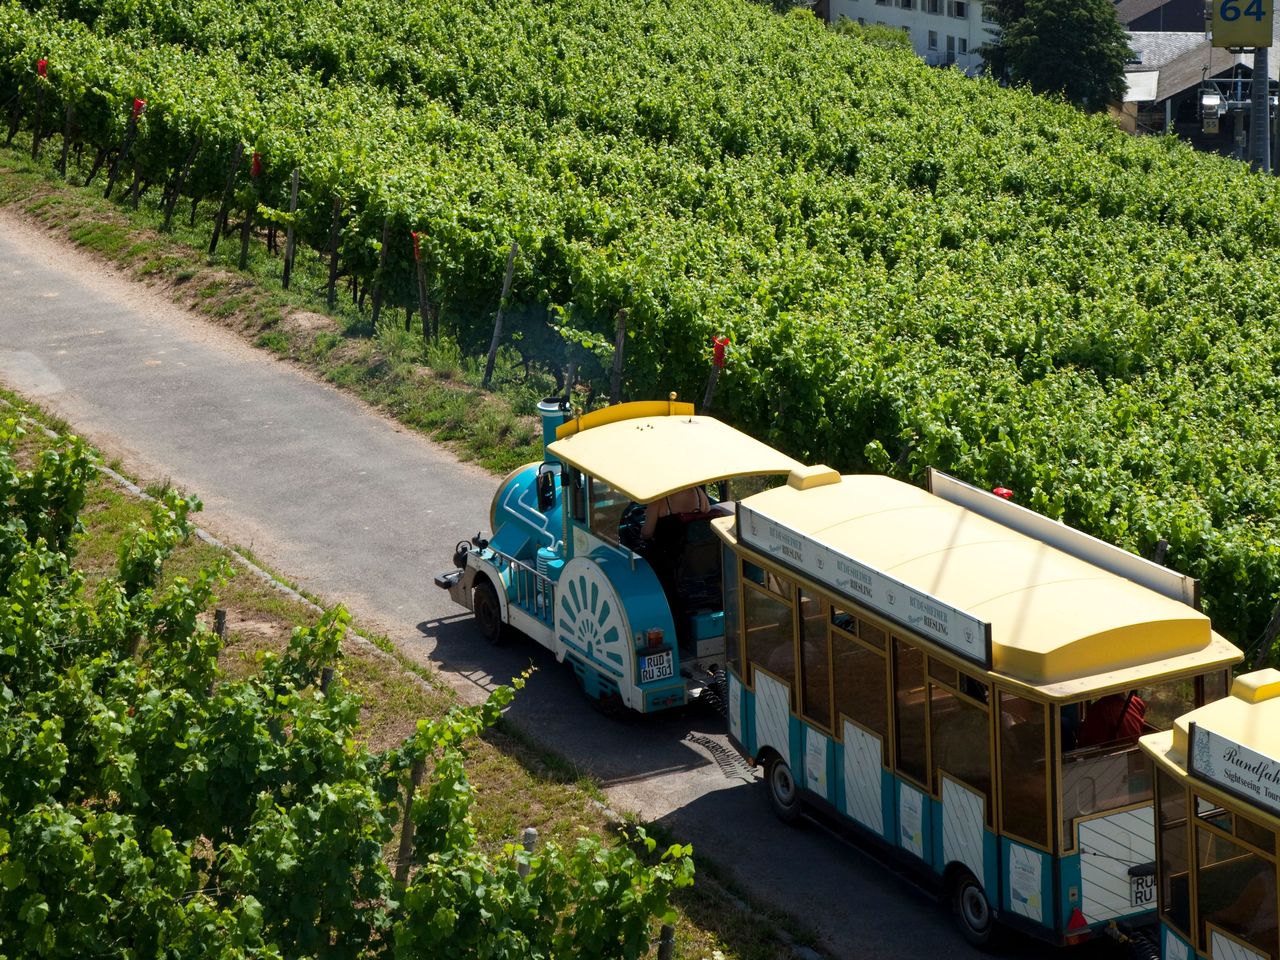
(835, 764)
(991, 865)
(937, 859)
(836, 776)
(889, 801)
(1170, 937)
(1069, 879)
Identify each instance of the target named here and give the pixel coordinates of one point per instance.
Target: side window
(1236, 885)
(1212, 686)
(767, 618)
(859, 675)
(1024, 775)
(960, 730)
(815, 662)
(577, 494)
(910, 711)
(1175, 866)
(732, 620)
(606, 510)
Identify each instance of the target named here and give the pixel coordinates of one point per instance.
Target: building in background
(943, 32)
(1179, 83)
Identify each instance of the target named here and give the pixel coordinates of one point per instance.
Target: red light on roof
(1077, 920)
(1004, 492)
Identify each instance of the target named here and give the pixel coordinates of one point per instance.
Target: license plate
(656, 666)
(1142, 891)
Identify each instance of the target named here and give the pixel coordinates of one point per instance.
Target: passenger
(1115, 717)
(690, 500)
(1252, 915)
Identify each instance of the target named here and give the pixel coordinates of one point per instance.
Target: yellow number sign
(1241, 23)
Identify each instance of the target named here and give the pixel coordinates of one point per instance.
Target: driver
(690, 500)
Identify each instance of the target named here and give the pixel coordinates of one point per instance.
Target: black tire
(610, 705)
(973, 913)
(784, 792)
(484, 604)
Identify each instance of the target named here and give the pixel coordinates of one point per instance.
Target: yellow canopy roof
(649, 450)
(1057, 622)
(1249, 717)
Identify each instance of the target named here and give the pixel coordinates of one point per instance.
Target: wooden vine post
(15, 118)
(619, 343)
(246, 228)
(719, 345)
(420, 274)
(334, 230)
(218, 221)
(380, 278)
(179, 181)
(497, 323)
(42, 78)
(405, 853)
(130, 134)
(667, 942)
(291, 233)
(528, 840)
(68, 128)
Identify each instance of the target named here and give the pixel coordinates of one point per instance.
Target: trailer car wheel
(484, 604)
(784, 795)
(973, 912)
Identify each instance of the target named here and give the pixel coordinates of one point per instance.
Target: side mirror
(546, 491)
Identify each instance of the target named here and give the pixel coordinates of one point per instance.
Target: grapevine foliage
(150, 807)
(914, 268)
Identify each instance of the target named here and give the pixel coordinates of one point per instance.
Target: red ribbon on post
(138, 106)
(255, 165)
(417, 249)
(42, 67)
(720, 343)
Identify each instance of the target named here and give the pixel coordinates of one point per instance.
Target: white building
(943, 32)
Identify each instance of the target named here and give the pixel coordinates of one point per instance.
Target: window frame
(1196, 824)
(802, 680)
(1050, 770)
(887, 747)
(745, 584)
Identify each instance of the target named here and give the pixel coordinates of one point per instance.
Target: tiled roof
(1154, 50)
(1128, 11)
(1185, 59)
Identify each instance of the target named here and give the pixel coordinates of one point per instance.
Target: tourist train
(955, 678)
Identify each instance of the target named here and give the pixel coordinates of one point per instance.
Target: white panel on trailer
(964, 812)
(735, 708)
(1224, 948)
(1025, 876)
(773, 716)
(815, 761)
(863, 755)
(911, 808)
(1109, 846)
(1174, 948)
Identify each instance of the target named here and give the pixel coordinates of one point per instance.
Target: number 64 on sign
(1241, 23)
